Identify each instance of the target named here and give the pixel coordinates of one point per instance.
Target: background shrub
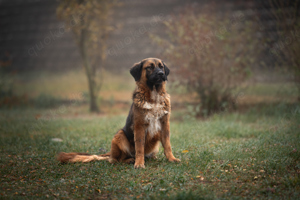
(211, 55)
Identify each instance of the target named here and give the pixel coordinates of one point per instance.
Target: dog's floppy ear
(167, 70)
(136, 71)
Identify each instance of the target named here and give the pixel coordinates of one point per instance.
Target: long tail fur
(79, 157)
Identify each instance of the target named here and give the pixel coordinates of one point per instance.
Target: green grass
(251, 153)
(228, 156)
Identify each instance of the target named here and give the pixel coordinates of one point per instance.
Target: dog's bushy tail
(79, 157)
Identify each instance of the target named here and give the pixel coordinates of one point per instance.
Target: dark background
(33, 38)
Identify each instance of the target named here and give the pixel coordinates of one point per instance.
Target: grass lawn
(249, 154)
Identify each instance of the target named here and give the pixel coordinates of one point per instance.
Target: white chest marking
(154, 114)
(154, 124)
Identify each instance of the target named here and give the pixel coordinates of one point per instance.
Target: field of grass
(254, 154)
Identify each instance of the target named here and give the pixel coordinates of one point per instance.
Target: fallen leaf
(185, 151)
(56, 140)
(200, 177)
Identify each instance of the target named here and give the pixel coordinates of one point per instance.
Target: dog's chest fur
(155, 111)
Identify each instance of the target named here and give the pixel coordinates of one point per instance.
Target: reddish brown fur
(123, 150)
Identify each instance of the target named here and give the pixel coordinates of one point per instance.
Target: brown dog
(147, 122)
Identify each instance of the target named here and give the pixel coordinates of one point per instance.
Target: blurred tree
(6, 79)
(88, 20)
(211, 55)
(287, 48)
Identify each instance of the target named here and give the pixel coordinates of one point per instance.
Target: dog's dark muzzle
(160, 75)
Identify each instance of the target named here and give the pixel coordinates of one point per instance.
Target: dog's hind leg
(129, 161)
(120, 148)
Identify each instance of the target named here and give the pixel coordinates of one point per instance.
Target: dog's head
(152, 71)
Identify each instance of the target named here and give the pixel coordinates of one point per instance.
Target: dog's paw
(154, 157)
(138, 166)
(130, 161)
(112, 160)
(174, 160)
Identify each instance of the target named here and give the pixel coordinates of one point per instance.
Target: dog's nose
(160, 73)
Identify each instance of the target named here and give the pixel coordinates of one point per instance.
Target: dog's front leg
(165, 140)
(139, 140)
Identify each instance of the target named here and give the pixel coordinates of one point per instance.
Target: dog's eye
(160, 66)
(148, 68)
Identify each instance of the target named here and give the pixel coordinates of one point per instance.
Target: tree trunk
(93, 97)
(91, 74)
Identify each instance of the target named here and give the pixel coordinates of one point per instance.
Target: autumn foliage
(211, 55)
